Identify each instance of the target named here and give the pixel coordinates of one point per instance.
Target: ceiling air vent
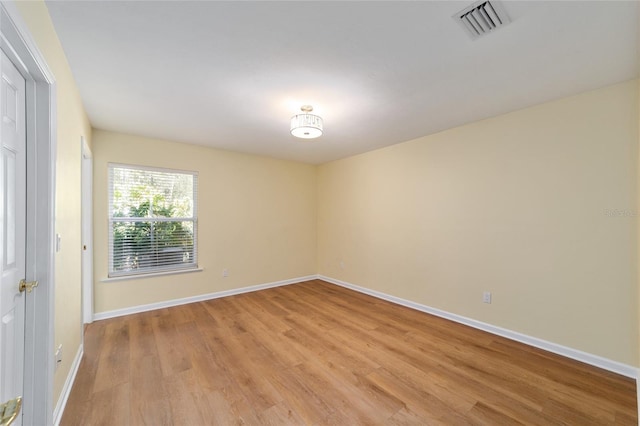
(481, 18)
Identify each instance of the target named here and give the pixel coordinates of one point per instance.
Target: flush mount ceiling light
(306, 125)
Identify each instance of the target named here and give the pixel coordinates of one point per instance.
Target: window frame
(111, 220)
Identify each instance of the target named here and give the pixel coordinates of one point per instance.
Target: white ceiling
(231, 74)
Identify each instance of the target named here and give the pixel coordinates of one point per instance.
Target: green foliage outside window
(156, 229)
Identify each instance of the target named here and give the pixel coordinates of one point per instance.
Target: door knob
(27, 286)
(9, 411)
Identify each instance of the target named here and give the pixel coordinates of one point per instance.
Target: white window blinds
(152, 220)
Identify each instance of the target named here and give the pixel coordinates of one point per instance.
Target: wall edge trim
(638, 390)
(575, 354)
(199, 298)
(68, 385)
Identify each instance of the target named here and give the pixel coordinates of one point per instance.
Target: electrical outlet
(58, 356)
(225, 272)
(342, 264)
(486, 297)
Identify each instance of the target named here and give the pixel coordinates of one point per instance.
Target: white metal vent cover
(482, 17)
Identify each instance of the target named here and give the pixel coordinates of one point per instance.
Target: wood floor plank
(372, 404)
(247, 377)
(279, 415)
(113, 360)
(172, 358)
(304, 397)
(109, 407)
(222, 408)
(426, 406)
(142, 342)
(148, 396)
(483, 414)
(405, 417)
(624, 419)
(557, 409)
(576, 378)
(317, 354)
(219, 372)
(185, 399)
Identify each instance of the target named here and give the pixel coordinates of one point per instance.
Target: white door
(12, 230)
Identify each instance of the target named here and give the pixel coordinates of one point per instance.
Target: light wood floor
(315, 353)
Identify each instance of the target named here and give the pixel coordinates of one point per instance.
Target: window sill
(150, 275)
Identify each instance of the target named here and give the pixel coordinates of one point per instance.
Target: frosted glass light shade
(306, 126)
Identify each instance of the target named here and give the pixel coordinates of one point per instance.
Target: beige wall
(516, 205)
(72, 124)
(257, 218)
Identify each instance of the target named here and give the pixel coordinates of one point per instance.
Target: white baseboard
(68, 384)
(199, 298)
(638, 393)
(595, 360)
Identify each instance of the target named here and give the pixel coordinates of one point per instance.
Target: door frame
(87, 232)
(16, 41)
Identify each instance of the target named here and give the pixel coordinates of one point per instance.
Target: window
(152, 220)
